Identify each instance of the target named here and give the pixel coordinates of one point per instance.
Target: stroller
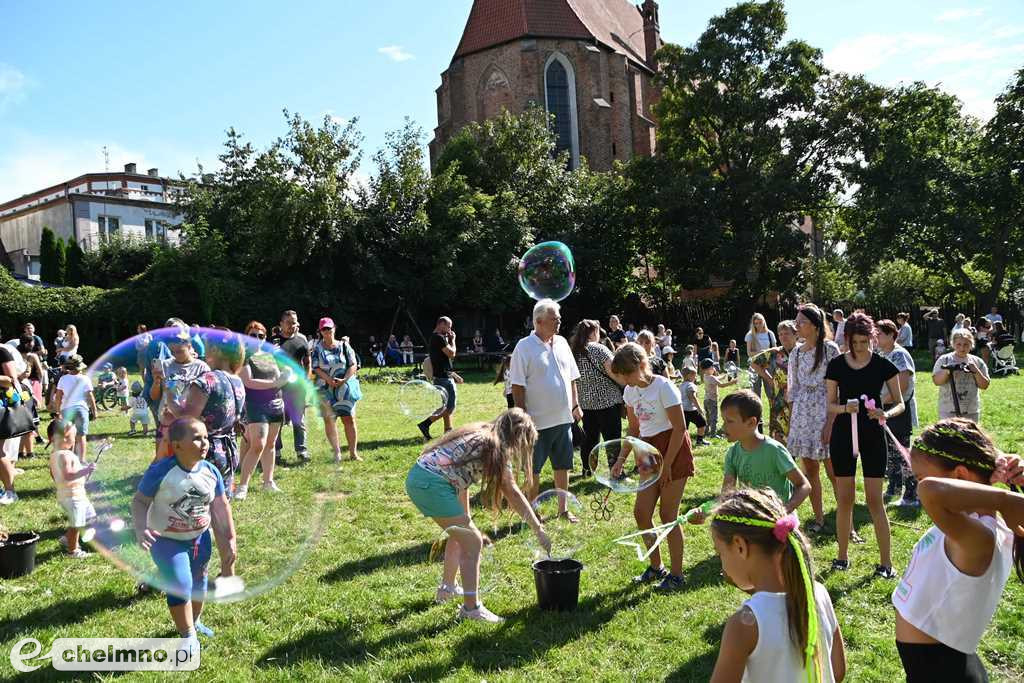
(1004, 361)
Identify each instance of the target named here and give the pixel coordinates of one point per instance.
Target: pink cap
(325, 322)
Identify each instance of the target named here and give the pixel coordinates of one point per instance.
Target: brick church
(590, 63)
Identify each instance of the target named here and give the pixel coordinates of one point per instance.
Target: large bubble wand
(660, 532)
(870, 404)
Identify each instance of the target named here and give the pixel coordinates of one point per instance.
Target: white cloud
(1007, 32)
(960, 13)
(871, 51)
(13, 84)
(977, 51)
(396, 53)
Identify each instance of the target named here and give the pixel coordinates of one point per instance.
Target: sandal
(572, 519)
(840, 565)
(883, 572)
(816, 527)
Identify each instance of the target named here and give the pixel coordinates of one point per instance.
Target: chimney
(652, 31)
(153, 173)
(129, 168)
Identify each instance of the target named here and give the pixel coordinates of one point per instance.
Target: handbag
(15, 421)
(355, 392)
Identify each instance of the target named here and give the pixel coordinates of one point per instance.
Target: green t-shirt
(766, 466)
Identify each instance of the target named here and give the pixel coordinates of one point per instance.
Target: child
(178, 500)
(690, 358)
(503, 376)
(732, 354)
(75, 400)
(711, 383)
(787, 630)
(960, 566)
(69, 474)
(668, 355)
(654, 411)
(140, 409)
(691, 409)
(407, 347)
(121, 383)
(755, 460)
(715, 354)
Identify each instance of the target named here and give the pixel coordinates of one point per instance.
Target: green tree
(48, 257)
(118, 259)
(60, 261)
(75, 269)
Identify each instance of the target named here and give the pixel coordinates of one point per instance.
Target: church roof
(617, 24)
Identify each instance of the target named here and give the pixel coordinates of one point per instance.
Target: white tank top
(775, 658)
(941, 601)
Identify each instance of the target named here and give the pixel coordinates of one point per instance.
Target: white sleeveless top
(775, 658)
(938, 599)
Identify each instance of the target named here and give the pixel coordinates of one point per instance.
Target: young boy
(711, 383)
(140, 409)
(178, 500)
(755, 460)
(69, 475)
(691, 408)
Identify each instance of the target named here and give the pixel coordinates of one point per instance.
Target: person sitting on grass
(691, 406)
(655, 414)
(178, 536)
(755, 460)
(488, 453)
(69, 475)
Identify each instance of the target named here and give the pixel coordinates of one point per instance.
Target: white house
(88, 209)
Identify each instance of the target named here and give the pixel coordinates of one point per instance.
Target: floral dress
(225, 400)
(776, 362)
(806, 385)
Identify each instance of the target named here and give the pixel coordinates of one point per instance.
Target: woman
(853, 380)
(69, 346)
(393, 353)
(8, 380)
(901, 479)
(334, 366)
(262, 376)
(758, 339)
(217, 397)
(703, 344)
(488, 453)
(773, 368)
(809, 423)
(600, 396)
(37, 379)
(982, 345)
(968, 373)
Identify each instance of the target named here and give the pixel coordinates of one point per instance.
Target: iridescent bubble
(547, 271)
(248, 386)
(639, 470)
(419, 399)
(568, 526)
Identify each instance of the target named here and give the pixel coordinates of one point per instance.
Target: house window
(108, 225)
(155, 230)
(560, 101)
(145, 188)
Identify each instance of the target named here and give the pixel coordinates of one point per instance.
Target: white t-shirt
(688, 394)
(765, 340)
(994, 318)
(966, 386)
(775, 657)
(546, 372)
(650, 404)
(75, 388)
(840, 337)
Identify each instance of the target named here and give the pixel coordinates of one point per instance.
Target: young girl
(732, 354)
(668, 354)
(438, 484)
(68, 473)
(121, 382)
(502, 376)
(959, 568)
(787, 630)
(407, 348)
(655, 414)
(715, 355)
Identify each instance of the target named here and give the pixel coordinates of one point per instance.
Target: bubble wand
(659, 532)
(870, 404)
(853, 428)
(104, 446)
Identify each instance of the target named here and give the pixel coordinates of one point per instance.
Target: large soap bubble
(547, 271)
(640, 469)
(275, 531)
(566, 523)
(418, 399)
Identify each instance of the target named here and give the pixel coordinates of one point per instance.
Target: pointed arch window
(560, 100)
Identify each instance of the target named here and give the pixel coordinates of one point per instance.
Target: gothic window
(560, 98)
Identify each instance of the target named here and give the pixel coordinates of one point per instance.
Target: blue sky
(159, 84)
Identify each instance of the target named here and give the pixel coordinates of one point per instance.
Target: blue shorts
(432, 494)
(448, 384)
(79, 416)
(181, 566)
(554, 443)
(264, 413)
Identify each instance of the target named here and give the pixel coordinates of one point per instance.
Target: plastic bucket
(18, 555)
(558, 584)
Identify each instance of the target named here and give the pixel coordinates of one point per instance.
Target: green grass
(360, 606)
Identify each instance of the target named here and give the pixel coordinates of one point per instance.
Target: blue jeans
(182, 567)
(448, 384)
(295, 414)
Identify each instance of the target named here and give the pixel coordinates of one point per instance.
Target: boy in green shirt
(755, 460)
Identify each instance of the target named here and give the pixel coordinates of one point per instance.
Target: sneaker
(190, 644)
(445, 593)
(8, 497)
(882, 572)
(425, 429)
(840, 565)
(651, 574)
(671, 583)
(480, 613)
(77, 554)
(303, 459)
(241, 492)
(143, 588)
(271, 486)
(203, 630)
(909, 503)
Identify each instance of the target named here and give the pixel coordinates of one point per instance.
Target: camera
(962, 367)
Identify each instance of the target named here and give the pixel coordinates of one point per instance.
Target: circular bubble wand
(643, 551)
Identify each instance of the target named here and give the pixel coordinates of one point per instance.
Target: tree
(75, 274)
(48, 271)
(60, 262)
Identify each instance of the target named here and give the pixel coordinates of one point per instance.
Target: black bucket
(18, 555)
(558, 584)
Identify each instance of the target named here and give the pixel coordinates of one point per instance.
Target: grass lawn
(360, 606)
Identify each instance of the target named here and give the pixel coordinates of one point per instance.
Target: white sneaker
(271, 486)
(445, 593)
(904, 503)
(481, 613)
(77, 554)
(241, 492)
(8, 497)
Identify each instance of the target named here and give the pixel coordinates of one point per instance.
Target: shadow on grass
(386, 443)
(409, 555)
(65, 612)
(699, 668)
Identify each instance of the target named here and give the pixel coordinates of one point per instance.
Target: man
(906, 335)
(543, 375)
(839, 318)
(936, 329)
(28, 331)
(615, 332)
(295, 345)
(631, 333)
(142, 341)
(993, 317)
(441, 348)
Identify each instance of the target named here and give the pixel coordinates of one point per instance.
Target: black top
(867, 381)
(5, 354)
(732, 355)
(658, 366)
(296, 346)
(617, 336)
(936, 328)
(703, 342)
(440, 361)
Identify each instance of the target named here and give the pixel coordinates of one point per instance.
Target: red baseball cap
(325, 322)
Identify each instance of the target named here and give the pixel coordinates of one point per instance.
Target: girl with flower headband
(959, 568)
(787, 630)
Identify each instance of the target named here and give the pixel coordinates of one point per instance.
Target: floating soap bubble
(566, 523)
(419, 399)
(547, 271)
(274, 531)
(640, 469)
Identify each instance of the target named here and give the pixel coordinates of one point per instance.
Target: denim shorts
(448, 384)
(554, 443)
(79, 416)
(432, 494)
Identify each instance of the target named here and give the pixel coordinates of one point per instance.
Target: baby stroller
(1004, 361)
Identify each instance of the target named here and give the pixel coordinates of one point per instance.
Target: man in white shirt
(995, 317)
(543, 375)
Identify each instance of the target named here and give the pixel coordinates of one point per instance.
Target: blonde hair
(630, 358)
(961, 333)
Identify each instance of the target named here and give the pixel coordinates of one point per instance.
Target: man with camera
(960, 376)
(441, 348)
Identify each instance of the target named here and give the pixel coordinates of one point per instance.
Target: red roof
(617, 24)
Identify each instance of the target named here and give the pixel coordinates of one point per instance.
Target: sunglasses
(260, 335)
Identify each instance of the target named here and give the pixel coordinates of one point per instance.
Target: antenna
(106, 160)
